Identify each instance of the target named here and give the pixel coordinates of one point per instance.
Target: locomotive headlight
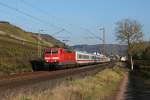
(55, 58)
(47, 58)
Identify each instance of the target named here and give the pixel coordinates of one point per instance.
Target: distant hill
(110, 49)
(18, 47)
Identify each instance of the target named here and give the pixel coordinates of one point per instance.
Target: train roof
(68, 49)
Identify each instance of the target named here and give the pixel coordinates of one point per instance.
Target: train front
(52, 55)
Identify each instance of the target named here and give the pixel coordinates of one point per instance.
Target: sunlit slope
(12, 31)
(15, 32)
(18, 48)
(15, 56)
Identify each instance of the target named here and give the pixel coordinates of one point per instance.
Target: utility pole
(65, 41)
(39, 44)
(103, 39)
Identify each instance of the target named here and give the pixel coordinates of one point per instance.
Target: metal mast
(39, 44)
(103, 39)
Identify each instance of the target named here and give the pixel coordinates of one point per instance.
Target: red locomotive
(59, 56)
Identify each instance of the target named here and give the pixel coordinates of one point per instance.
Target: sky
(78, 21)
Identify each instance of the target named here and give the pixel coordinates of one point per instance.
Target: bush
(146, 53)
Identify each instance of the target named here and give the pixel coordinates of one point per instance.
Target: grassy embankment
(17, 48)
(15, 56)
(101, 86)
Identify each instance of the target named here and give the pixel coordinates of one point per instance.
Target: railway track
(45, 79)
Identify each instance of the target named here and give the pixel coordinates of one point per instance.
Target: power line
(21, 12)
(93, 35)
(32, 6)
(44, 12)
(56, 33)
(30, 16)
(16, 11)
(40, 20)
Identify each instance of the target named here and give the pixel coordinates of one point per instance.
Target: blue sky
(76, 17)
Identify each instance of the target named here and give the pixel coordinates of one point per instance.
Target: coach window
(80, 56)
(93, 57)
(86, 57)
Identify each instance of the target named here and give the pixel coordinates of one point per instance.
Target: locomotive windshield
(52, 52)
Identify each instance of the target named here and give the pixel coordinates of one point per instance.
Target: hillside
(12, 31)
(18, 48)
(110, 49)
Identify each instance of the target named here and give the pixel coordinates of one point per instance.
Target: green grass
(97, 87)
(15, 56)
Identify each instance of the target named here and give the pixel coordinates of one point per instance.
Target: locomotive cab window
(48, 52)
(54, 51)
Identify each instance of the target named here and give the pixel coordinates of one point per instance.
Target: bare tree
(129, 31)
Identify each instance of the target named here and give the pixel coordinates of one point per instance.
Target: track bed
(42, 80)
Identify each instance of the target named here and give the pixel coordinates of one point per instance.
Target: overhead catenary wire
(56, 33)
(44, 12)
(16, 11)
(21, 12)
(32, 6)
(39, 20)
(93, 35)
(31, 16)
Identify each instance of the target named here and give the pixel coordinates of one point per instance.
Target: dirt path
(122, 88)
